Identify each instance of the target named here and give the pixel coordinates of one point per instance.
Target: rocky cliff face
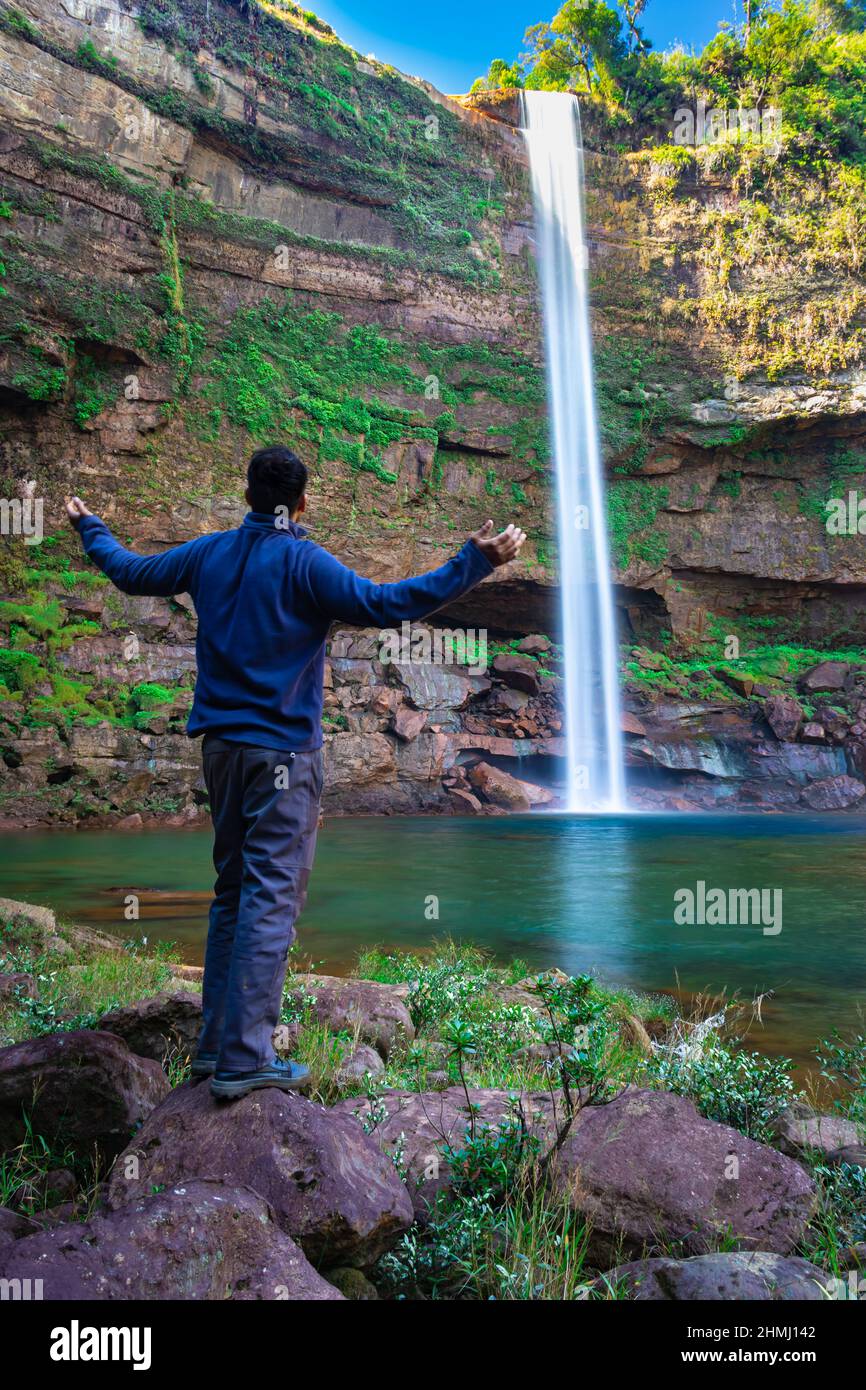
(220, 226)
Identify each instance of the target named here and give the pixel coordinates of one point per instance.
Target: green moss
(632, 506)
(147, 696)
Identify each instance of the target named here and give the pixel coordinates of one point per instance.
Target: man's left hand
(75, 510)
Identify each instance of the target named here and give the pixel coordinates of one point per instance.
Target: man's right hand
(501, 549)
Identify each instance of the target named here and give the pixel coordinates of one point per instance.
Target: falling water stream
(596, 781)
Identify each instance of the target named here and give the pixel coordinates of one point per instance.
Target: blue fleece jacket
(265, 598)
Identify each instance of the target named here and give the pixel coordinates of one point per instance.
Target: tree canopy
(805, 57)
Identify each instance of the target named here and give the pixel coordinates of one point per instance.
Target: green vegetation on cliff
(773, 111)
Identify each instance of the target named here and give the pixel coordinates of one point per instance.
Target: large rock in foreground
(84, 1088)
(648, 1169)
(201, 1240)
(736, 1276)
(14, 1225)
(424, 1126)
(152, 1027)
(330, 1187)
(376, 1010)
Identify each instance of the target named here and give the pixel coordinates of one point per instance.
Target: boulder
(420, 1125)
(813, 732)
(436, 687)
(520, 672)
(630, 724)
(799, 1129)
(364, 1061)
(353, 1284)
(827, 675)
(834, 793)
(735, 1276)
(41, 917)
(735, 680)
(151, 1027)
(331, 1188)
(534, 644)
(835, 724)
(342, 1004)
(83, 1088)
(202, 1240)
(13, 1226)
(499, 787)
(648, 1169)
(408, 723)
(15, 984)
(784, 716)
(852, 1154)
(634, 1034)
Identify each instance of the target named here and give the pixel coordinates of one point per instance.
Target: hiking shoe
(286, 1076)
(203, 1064)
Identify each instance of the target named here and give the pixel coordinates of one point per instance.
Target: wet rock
(647, 1167)
(827, 675)
(331, 1188)
(199, 1240)
(520, 672)
(463, 802)
(85, 1088)
(784, 716)
(799, 1129)
(736, 1276)
(154, 1026)
(834, 793)
(499, 787)
(376, 1010)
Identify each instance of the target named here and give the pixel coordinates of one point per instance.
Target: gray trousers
(265, 810)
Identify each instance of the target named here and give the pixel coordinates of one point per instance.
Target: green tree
(582, 46)
(500, 75)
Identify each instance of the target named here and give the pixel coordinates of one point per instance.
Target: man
(265, 598)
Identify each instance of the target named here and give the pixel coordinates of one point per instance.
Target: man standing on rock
(265, 598)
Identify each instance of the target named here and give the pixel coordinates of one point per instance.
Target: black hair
(276, 478)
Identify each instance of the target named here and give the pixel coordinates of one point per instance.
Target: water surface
(585, 894)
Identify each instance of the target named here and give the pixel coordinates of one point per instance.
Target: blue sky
(452, 41)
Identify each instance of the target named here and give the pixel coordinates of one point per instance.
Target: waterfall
(596, 780)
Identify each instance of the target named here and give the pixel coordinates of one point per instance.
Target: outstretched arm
(160, 575)
(341, 594)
